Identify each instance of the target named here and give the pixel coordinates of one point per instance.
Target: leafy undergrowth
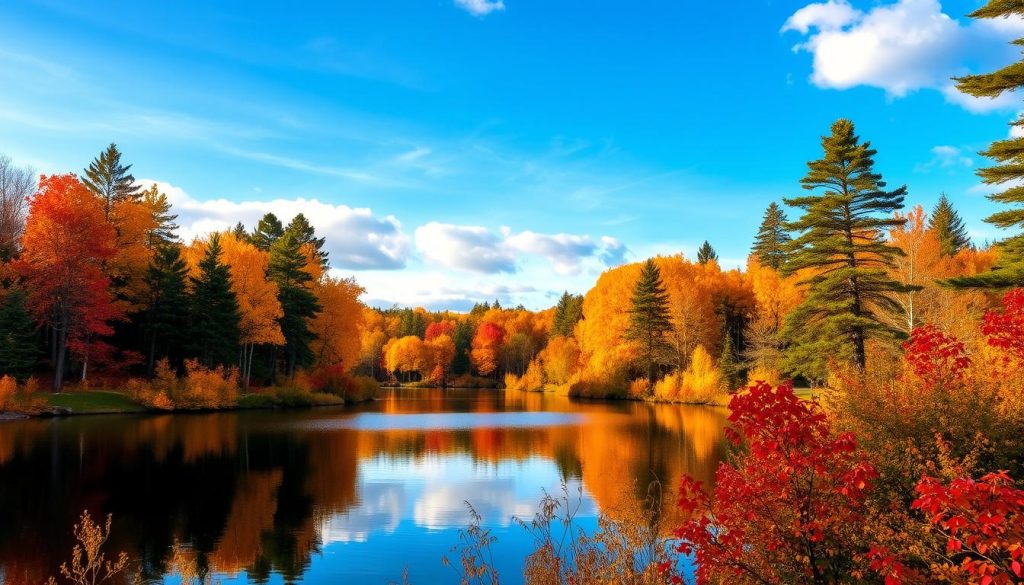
(94, 402)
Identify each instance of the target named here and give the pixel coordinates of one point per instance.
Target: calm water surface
(353, 495)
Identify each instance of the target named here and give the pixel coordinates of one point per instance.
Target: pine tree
(1008, 155)
(649, 320)
(772, 238)
(730, 365)
(163, 233)
(240, 232)
(168, 306)
(305, 233)
(110, 180)
(949, 227)
(706, 253)
(18, 352)
(214, 333)
(463, 338)
(841, 239)
(268, 230)
(287, 263)
(568, 312)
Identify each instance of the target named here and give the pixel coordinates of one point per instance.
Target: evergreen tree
(949, 227)
(240, 232)
(305, 233)
(568, 312)
(730, 365)
(287, 264)
(214, 333)
(463, 339)
(110, 180)
(412, 322)
(168, 306)
(18, 351)
(480, 308)
(164, 232)
(772, 238)
(649, 320)
(841, 239)
(1008, 155)
(706, 253)
(268, 230)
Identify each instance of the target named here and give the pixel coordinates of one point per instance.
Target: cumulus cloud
(480, 7)
(356, 238)
(900, 47)
(478, 249)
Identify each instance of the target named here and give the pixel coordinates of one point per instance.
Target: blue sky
(455, 150)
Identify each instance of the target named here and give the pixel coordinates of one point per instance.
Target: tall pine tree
(772, 239)
(214, 334)
(305, 233)
(164, 230)
(841, 240)
(267, 231)
(1008, 155)
(649, 320)
(568, 312)
(706, 253)
(167, 314)
(18, 351)
(110, 180)
(299, 304)
(949, 227)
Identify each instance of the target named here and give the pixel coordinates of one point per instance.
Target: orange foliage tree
(339, 323)
(65, 243)
(487, 344)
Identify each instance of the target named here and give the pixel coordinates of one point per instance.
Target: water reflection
(323, 494)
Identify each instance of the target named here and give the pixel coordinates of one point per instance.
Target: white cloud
(830, 15)
(464, 247)
(356, 238)
(945, 157)
(480, 7)
(477, 249)
(900, 47)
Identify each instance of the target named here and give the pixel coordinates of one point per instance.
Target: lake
(335, 495)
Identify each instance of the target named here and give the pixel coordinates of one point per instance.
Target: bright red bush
(787, 510)
(936, 358)
(1005, 330)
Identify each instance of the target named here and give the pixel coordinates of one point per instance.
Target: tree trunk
(58, 368)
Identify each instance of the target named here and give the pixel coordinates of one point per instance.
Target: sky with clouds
(460, 150)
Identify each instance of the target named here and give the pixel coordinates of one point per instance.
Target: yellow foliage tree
(339, 324)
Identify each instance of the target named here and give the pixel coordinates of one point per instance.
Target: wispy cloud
(481, 7)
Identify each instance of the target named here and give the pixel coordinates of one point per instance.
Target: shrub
(204, 387)
(8, 389)
(333, 379)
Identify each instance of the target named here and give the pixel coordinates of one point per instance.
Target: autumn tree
(337, 326)
(167, 307)
(406, 355)
(772, 241)
(18, 351)
(267, 231)
(916, 268)
(110, 180)
(649, 318)
(299, 303)
(486, 347)
(65, 243)
(568, 312)
(16, 185)
(214, 333)
(258, 307)
(789, 508)
(1008, 155)
(706, 253)
(948, 227)
(841, 244)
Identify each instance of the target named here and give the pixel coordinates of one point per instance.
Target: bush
(335, 380)
(8, 388)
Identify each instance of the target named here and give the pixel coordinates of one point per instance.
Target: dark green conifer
(730, 365)
(166, 325)
(649, 320)
(568, 312)
(299, 304)
(706, 253)
(772, 238)
(949, 227)
(18, 351)
(1008, 155)
(268, 230)
(841, 240)
(305, 234)
(214, 333)
(110, 180)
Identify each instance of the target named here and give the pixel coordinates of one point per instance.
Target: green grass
(94, 402)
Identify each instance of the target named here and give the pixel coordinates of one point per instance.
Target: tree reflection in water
(323, 493)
